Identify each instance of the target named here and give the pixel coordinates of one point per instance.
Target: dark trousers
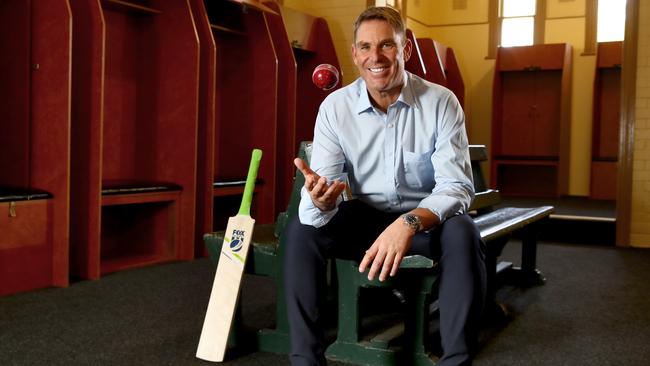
(456, 245)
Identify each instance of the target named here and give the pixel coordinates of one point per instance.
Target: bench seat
(234, 182)
(508, 220)
(12, 194)
(117, 187)
(492, 225)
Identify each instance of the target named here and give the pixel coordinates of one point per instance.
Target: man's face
(380, 56)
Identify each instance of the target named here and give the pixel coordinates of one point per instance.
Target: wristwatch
(412, 221)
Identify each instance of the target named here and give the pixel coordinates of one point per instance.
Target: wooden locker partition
(531, 120)
(246, 85)
(34, 134)
(286, 147)
(416, 63)
(431, 59)
(312, 45)
(607, 106)
(206, 126)
(135, 134)
(441, 66)
(258, 81)
(454, 77)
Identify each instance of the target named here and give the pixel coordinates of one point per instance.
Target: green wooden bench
(416, 279)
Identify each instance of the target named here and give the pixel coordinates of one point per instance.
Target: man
(402, 142)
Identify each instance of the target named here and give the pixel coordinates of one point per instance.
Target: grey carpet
(594, 309)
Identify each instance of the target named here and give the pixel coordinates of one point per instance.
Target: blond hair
(385, 13)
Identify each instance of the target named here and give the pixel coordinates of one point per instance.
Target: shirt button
(390, 125)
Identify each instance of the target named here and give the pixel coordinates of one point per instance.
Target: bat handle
(245, 207)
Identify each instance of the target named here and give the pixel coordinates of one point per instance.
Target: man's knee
(298, 238)
(460, 236)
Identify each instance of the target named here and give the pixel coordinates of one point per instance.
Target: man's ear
(354, 54)
(408, 48)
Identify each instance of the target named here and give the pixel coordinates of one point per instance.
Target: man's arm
(327, 160)
(322, 195)
(454, 189)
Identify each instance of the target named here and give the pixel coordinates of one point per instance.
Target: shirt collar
(406, 95)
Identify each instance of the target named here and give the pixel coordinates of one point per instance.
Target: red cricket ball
(325, 76)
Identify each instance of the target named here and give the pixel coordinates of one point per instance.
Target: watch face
(412, 221)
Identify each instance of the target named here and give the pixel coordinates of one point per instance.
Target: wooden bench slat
(10, 194)
(115, 187)
(485, 199)
(417, 261)
(478, 153)
(509, 219)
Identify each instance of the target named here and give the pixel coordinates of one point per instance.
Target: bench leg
(494, 312)
(416, 323)
(276, 340)
(527, 274)
(349, 348)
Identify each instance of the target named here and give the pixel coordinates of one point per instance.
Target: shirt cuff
(443, 206)
(312, 215)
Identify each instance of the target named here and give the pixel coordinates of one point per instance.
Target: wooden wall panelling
(516, 137)
(542, 56)
(440, 66)
(606, 115)
(312, 45)
(86, 134)
(565, 116)
(142, 105)
(286, 143)
(432, 62)
(531, 119)
(50, 119)
(206, 126)
(416, 63)
(246, 107)
(454, 77)
(15, 61)
(545, 111)
(177, 88)
(35, 124)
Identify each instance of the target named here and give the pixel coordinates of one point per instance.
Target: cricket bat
(225, 288)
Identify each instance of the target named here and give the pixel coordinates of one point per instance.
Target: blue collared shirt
(415, 155)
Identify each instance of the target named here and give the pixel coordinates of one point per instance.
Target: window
(611, 20)
(605, 22)
(399, 5)
(517, 22)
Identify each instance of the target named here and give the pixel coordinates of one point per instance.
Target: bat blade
(227, 280)
(225, 289)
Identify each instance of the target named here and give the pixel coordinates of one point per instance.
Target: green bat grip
(245, 207)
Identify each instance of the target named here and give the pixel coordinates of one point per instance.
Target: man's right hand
(323, 195)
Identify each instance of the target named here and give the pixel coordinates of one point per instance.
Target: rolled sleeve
(327, 160)
(312, 215)
(454, 189)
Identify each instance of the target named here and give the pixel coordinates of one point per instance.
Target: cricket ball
(325, 76)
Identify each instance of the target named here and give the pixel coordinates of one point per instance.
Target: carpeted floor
(594, 309)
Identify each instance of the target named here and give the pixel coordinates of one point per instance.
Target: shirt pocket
(418, 170)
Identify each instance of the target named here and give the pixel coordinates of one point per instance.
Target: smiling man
(401, 141)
